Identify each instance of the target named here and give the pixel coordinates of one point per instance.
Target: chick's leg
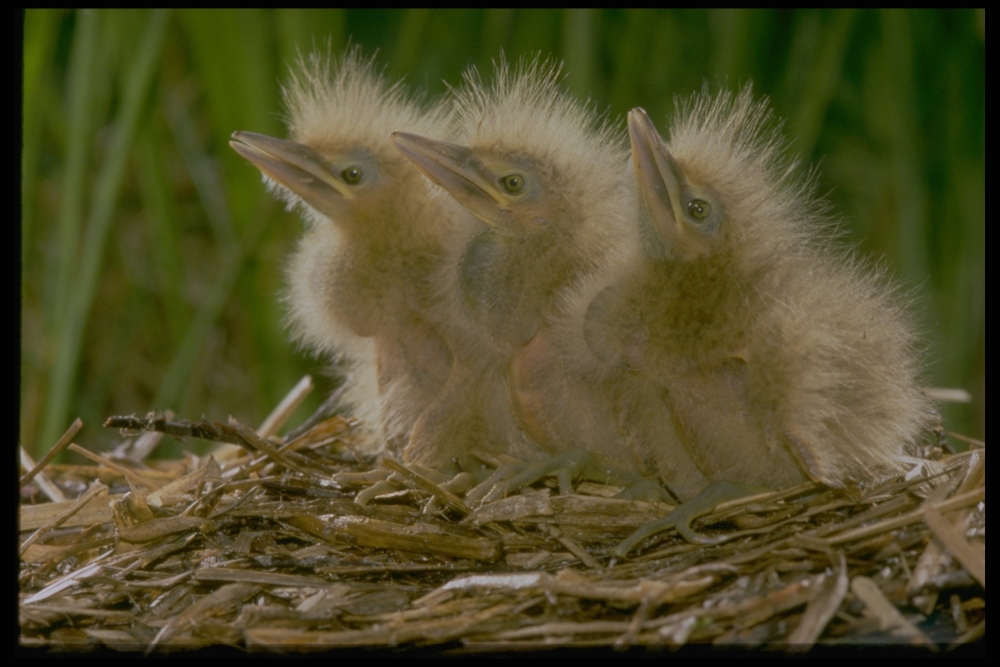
(558, 404)
(413, 364)
(704, 503)
(654, 439)
(472, 413)
(567, 415)
(565, 467)
(417, 352)
(728, 425)
(536, 381)
(569, 466)
(433, 439)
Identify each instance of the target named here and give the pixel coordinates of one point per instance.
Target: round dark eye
(352, 175)
(699, 209)
(513, 183)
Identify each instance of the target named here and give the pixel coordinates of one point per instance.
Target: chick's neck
(696, 312)
(509, 282)
(383, 268)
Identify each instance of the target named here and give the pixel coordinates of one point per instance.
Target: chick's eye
(699, 209)
(352, 175)
(513, 183)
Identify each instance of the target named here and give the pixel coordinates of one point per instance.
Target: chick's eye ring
(513, 183)
(699, 209)
(352, 175)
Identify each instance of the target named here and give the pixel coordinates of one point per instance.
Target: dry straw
(270, 550)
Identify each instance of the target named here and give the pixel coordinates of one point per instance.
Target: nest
(272, 549)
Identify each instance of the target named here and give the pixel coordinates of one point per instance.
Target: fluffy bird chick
(358, 280)
(777, 360)
(544, 199)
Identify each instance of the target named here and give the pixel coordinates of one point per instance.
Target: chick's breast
(778, 359)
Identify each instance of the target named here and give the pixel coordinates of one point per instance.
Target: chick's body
(539, 189)
(777, 360)
(359, 277)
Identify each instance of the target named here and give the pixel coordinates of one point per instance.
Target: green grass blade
(578, 50)
(70, 336)
(178, 376)
(821, 82)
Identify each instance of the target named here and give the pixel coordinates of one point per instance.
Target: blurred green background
(152, 257)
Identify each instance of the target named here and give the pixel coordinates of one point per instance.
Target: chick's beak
(295, 166)
(457, 169)
(658, 174)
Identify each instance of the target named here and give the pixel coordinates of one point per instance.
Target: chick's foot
(568, 467)
(680, 518)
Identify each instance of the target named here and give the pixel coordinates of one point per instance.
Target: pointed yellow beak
(658, 174)
(295, 166)
(456, 169)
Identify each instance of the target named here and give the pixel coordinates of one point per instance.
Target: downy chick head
(720, 209)
(722, 182)
(367, 209)
(548, 181)
(340, 162)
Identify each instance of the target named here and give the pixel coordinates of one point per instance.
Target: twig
(60, 445)
(131, 475)
(284, 410)
(447, 497)
(93, 491)
(971, 556)
(46, 485)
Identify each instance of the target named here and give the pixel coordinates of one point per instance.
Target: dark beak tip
(399, 140)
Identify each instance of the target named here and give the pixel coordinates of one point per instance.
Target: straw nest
(301, 544)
